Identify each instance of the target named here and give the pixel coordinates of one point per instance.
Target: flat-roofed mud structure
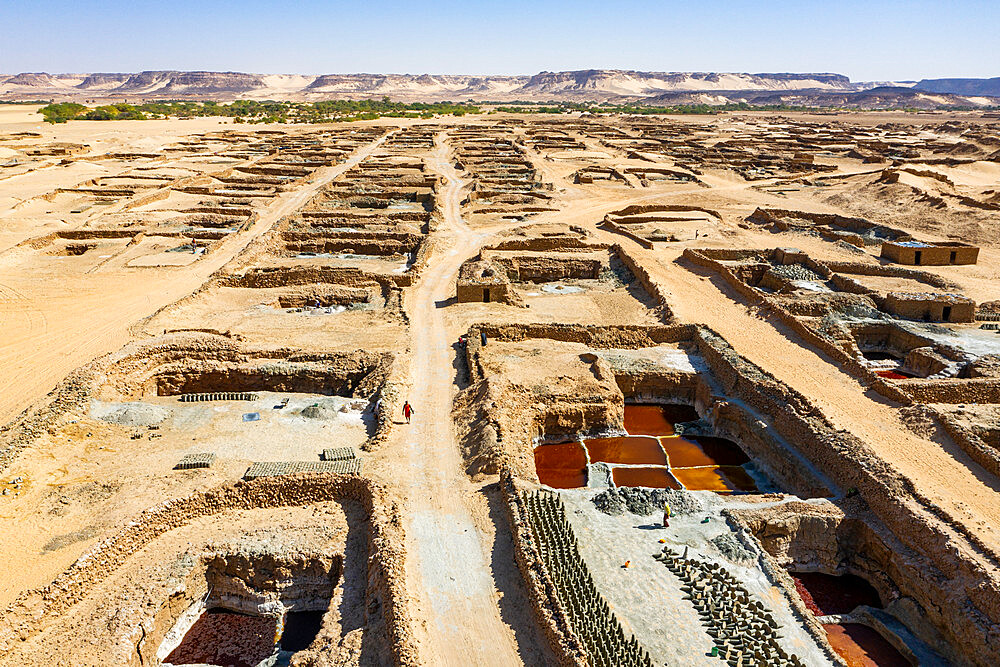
(594, 280)
(923, 253)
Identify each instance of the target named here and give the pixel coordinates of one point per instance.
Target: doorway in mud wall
(486, 295)
(946, 314)
(916, 256)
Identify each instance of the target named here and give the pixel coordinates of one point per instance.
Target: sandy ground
(51, 330)
(466, 592)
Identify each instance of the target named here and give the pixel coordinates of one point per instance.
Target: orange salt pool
(656, 419)
(691, 451)
(722, 479)
(656, 478)
(629, 449)
(861, 646)
(825, 594)
(562, 465)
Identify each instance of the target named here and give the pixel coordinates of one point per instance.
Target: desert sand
(144, 261)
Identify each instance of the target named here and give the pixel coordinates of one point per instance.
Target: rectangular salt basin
(694, 451)
(656, 419)
(655, 478)
(561, 465)
(721, 479)
(628, 449)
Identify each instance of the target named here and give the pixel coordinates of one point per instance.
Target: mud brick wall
(780, 217)
(642, 275)
(956, 577)
(864, 269)
(829, 347)
(386, 556)
(549, 613)
(850, 285)
(190, 363)
(639, 209)
(953, 390)
(843, 539)
(645, 243)
(930, 307)
(542, 243)
(285, 276)
(381, 247)
(545, 269)
(980, 451)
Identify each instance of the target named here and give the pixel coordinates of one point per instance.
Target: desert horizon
(668, 362)
(580, 86)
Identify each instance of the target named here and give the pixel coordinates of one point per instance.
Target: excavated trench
(831, 597)
(348, 374)
(258, 609)
(850, 580)
(278, 377)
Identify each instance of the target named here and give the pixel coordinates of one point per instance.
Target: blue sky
(874, 40)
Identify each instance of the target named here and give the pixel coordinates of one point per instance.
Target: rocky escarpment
(814, 89)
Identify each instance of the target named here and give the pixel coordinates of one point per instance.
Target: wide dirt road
(448, 563)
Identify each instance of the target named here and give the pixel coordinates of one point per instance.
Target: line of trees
(254, 111)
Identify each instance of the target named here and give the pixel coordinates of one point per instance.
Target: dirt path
(53, 324)
(449, 545)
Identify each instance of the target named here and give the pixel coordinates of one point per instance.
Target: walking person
(407, 411)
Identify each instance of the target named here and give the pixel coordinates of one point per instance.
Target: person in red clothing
(407, 411)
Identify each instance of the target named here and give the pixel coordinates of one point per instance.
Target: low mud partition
(651, 454)
(648, 224)
(856, 231)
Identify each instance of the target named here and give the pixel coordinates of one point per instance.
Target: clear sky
(872, 40)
